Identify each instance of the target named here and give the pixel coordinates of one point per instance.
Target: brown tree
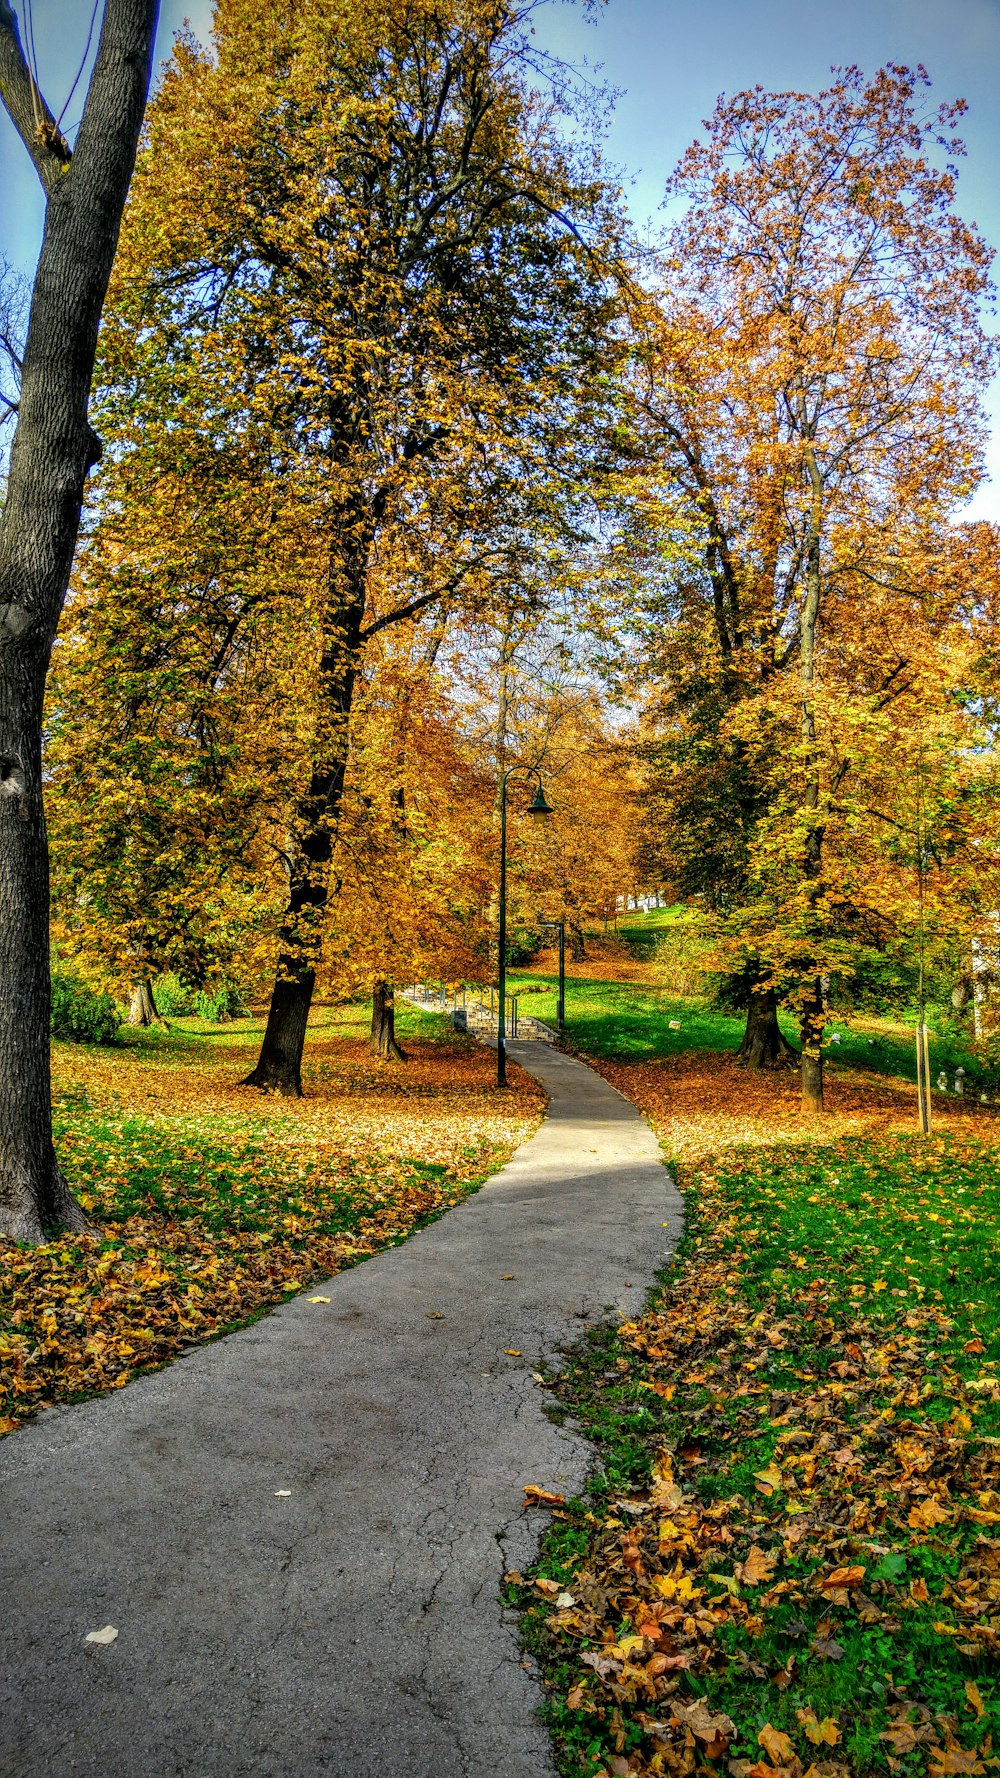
(53, 450)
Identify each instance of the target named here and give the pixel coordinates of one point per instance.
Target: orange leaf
(777, 1746)
(758, 1567)
(844, 1577)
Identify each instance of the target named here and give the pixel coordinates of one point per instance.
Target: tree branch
(28, 112)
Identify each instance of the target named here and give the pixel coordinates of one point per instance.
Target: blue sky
(670, 58)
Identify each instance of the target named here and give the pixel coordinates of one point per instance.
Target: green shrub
(215, 1004)
(79, 1013)
(522, 944)
(174, 999)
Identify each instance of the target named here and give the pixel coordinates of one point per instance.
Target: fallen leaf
(827, 1648)
(926, 1514)
(818, 1732)
(777, 1746)
(542, 1497)
(843, 1577)
(948, 1760)
(602, 1664)
(713, 1730)
(282, 1493)
(102, 1637)
(766, 1480)
(319, 1299)
(758, 1567)
(975, 1700)
(512, 1352)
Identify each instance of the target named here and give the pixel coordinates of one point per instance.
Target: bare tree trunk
(764, 1043)
(577, 948)
(53, 450)
(382, 1041)
(142, 1006)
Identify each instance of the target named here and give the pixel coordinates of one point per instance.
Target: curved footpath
(351, 1626)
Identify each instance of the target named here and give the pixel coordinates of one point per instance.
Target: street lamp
(538, 807)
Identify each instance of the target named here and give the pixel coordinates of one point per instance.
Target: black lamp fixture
(539, 806)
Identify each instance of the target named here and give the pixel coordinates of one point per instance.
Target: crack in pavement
(357, 1625)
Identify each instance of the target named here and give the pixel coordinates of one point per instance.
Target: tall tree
(362, 272)
(815, 383)
(54, 448)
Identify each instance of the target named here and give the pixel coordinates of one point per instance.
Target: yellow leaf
(976, 1702)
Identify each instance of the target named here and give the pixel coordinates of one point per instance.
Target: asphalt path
(299, 1531)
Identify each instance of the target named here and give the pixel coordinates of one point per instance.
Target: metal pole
(502, 959)
(923, 1049)
(561, 1006)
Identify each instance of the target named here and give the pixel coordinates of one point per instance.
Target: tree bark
(812, 1050)
(142, 1006)
(53, 450)
(764, 1043)
(279, 1065)
(577, 948)
(382, 1041)
(813, 1009)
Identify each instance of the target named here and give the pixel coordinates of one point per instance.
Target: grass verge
(791, 1562)
(211, 1201)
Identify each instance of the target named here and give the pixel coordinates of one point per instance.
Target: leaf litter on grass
(791, 1564)
(210, 1202)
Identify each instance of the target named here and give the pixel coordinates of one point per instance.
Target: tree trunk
(764, 1043)
(279, 1065)
(813, 1009)
(382, 1041)
(811, 1028)
(142, 1007)
(577, 948)
(53, 450)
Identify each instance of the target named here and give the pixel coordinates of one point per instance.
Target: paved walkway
(349, 1627)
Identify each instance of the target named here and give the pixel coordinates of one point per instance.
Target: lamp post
(538, 807)
(560, 927)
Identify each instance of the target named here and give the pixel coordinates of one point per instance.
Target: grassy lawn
(609, 1012)
(210, 1201)
(791, 1561)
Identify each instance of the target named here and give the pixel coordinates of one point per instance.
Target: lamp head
(539, 806)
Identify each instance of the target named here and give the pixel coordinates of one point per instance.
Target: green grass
(877, 1259)
(627, 1021)
(874, 1262)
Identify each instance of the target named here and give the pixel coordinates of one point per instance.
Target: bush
(80, 1014)
(216, 1004)
(174, 999)
(522, 946)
